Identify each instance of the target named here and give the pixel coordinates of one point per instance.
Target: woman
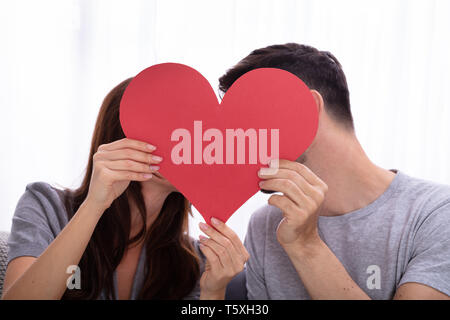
(125, 228)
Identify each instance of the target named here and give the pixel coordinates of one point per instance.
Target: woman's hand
(225, 257)
(115, 165)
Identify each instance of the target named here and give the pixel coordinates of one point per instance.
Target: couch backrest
(236, 289)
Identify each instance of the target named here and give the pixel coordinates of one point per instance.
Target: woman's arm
(114, 166)
(45, 277)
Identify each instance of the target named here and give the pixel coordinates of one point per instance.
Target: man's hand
(322, 274)
(303, 193)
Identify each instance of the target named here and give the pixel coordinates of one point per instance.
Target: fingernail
(215, 221)
(147, 175)
(265, 171)
(154, 168)
(202, 238)
(150, 147)
(274, 163)
(203, 226)
(156, 158)
(261, 183)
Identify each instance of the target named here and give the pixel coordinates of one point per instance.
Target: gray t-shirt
(40, 216)
(403, 236)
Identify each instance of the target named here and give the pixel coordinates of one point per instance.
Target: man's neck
(353, 180)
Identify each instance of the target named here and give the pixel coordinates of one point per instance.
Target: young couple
(339, 227)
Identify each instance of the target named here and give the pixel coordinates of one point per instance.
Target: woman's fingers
(128, 149)
(219, 238)
(231, 264)
(211, 257)
(224, 247)
(221, 252)
(116, 164)
(127, 175)
(131, 165)
(232, 236)
(128, 154)
(127, 143)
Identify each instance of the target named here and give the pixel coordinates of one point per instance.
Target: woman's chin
(158, 178)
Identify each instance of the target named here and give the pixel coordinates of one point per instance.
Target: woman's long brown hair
(172, 266)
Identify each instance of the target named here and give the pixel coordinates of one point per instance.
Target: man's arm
(322, 274)
(418, 291)
(325, 277)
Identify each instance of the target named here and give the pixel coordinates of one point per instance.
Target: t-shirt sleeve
(430, 259)
(36, 222)
(255, 245)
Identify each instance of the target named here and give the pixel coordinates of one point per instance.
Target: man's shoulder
(423, 206)
(265, 219)
(426, 194)
(261, 233)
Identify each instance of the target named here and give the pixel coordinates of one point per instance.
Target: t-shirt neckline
(137, 278)
(371, 207)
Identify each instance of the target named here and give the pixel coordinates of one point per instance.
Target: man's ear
(319, 101)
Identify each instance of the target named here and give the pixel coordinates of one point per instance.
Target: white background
(58, 59)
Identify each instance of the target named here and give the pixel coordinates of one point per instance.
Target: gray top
(403, 236)
(40, 216)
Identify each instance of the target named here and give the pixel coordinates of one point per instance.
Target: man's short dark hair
(319, 70)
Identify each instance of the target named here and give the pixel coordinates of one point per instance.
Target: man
(341, 227)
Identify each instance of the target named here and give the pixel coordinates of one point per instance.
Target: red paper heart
(169, 96)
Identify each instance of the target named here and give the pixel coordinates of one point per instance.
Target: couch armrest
(3, 257)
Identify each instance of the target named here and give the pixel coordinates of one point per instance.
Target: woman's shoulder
(40, 188)
(41, 199)
(39, 217)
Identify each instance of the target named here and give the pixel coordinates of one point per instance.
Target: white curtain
(58, 59)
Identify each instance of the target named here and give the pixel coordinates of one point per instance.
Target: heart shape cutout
(168, 103)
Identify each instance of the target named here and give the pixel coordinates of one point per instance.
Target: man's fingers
(286, 206)
(128, 143)
(292, 175)
(288, 188)
(301, 169)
